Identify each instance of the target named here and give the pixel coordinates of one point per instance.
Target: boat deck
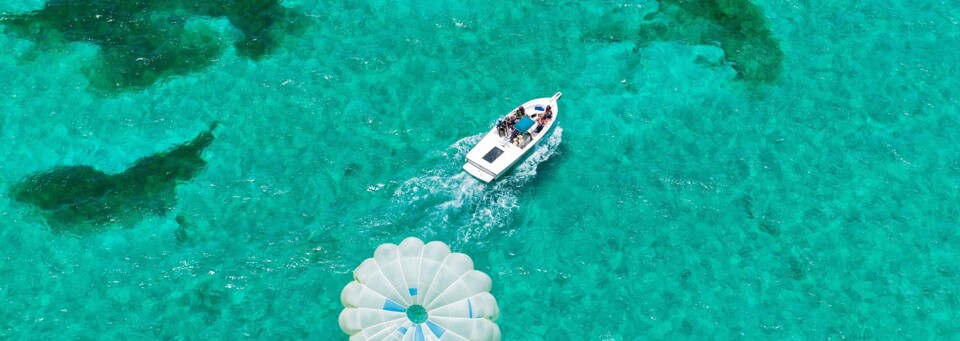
(495, 154)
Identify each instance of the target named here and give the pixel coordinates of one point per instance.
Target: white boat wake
(463, 209)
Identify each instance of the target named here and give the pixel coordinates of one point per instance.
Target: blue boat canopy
(524, 124)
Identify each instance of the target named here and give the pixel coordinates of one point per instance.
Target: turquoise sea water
(696, 189)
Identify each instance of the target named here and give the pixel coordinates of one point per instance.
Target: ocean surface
(728, 169)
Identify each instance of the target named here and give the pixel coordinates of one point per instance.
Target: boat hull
(494, 155)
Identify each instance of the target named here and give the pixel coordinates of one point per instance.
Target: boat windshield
(493, 154)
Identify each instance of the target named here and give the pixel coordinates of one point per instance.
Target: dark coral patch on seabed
(736, 26)
(82, 199)
(145, 41)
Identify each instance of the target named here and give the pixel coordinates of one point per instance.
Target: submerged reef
(144, 41)
(81, 199)
(736, 26)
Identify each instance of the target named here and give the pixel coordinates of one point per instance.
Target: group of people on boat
(543, 119)
(505, 126)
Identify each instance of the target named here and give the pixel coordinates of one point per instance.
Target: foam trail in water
(500, 200)
(455, 201)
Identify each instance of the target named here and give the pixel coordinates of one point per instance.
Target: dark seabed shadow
(738, 27)
(81, 199)
(145, 41)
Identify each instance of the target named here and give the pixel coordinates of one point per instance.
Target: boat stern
(477, 172)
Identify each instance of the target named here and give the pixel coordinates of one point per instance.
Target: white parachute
(419, 292)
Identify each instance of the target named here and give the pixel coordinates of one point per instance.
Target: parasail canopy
(418, 292)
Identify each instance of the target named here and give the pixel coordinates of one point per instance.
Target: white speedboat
(513, 137)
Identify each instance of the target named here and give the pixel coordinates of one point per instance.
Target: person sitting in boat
(510, 121)
(543, 119)
(539, 127)
(501, 128)
(519, 113)
(545, 116)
